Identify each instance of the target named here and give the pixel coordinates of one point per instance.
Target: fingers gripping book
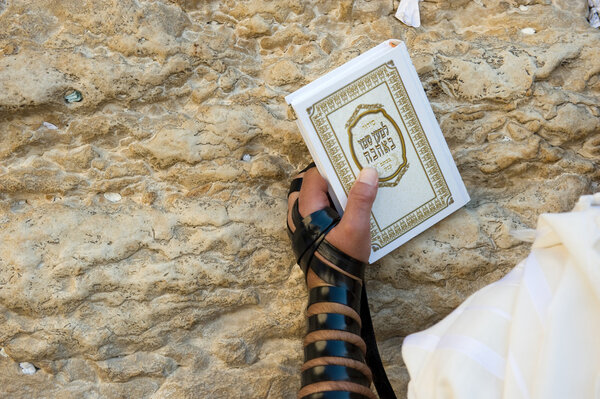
(372, 111)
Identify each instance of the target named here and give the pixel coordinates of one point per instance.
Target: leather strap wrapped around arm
(310, 232)
(333, 373)
(333, 348)
(335, 295)
(333, 321)
(335, 395)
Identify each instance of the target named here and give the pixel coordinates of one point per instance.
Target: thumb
(360, 200)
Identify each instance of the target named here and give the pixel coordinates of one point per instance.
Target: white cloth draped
(535, 334)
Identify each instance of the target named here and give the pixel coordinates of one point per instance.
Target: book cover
(372, 111)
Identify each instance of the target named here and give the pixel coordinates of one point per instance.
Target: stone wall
(142, 243)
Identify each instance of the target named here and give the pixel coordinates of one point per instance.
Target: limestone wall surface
(142, 244)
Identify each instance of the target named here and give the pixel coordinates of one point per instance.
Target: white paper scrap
(27, 368)
(113, 197)
(594, 16)
(528, 31)
(50, 126)
(408, 13)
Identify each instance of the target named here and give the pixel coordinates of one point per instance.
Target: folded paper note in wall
(372, 111)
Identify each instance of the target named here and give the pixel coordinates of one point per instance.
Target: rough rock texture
(185, 287)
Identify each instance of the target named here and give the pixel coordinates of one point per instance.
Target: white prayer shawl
(535, 334)
(408, 13)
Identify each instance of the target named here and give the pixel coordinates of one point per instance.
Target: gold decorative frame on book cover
(372, 122)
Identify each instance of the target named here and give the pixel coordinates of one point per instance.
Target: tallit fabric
(534, 334)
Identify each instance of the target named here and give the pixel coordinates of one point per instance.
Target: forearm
(332, 252)
(336, 335)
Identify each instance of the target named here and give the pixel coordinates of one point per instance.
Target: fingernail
(369, 176)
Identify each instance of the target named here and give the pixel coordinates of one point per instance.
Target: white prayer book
(372, 111)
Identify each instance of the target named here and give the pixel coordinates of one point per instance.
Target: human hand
(352, 235)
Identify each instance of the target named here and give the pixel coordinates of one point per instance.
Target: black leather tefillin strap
(309, 236)
(380, 379)
(335, 256)
(333, 348)
(296, 184)
(333, 372)
(334, 294)
(336, 395)
(333, 321)
(310, 233)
